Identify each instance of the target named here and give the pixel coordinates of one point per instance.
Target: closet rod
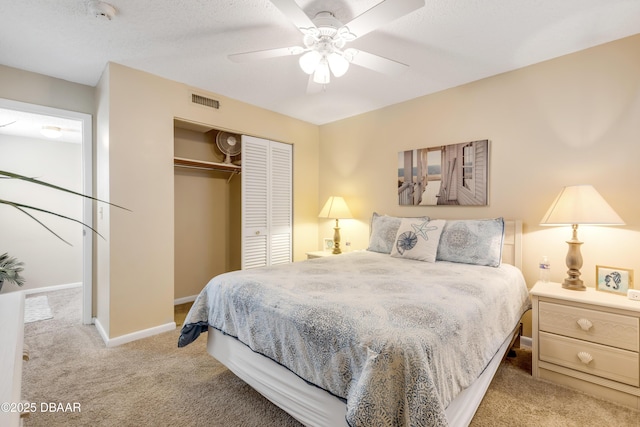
(199, 164)
(209, 168)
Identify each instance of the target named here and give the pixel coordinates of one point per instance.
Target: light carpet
(151, 382)
(36, 308)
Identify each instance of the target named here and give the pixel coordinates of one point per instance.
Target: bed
(387, 336)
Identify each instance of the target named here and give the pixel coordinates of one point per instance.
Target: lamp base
(336, 239)
(574, 262)
(574, 284)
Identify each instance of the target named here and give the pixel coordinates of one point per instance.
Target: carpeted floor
(151, 382)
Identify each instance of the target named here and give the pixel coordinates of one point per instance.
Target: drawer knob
(585, 357)
(585, 324)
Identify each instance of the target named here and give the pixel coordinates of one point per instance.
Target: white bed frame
(315, 407)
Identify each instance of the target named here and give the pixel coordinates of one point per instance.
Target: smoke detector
(100, 9)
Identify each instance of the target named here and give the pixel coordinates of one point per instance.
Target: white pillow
(418, 239)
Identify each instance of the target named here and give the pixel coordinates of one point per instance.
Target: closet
(228, 216)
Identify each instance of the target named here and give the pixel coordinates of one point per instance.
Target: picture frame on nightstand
(614, 279)
(328, 244)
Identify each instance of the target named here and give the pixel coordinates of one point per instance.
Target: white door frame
(87, 188)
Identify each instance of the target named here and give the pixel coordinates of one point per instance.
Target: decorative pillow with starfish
(384, 229)
(418, 239)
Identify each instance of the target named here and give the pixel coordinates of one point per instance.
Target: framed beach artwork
(613, 279)
(328, 244)
(455, 174)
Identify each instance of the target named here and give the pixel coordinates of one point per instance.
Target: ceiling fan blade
(381, 14)
(378, 63)
(266, 54)
(292, 11)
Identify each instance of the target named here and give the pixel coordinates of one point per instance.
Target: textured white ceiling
(446, 43)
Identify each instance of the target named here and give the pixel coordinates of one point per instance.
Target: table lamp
(578, 204)
(335, 208)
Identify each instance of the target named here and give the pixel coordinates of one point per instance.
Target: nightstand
(319, 254)
(587, 340)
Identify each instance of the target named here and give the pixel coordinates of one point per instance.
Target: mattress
(394, 339)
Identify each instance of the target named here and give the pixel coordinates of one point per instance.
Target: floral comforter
(397, 339)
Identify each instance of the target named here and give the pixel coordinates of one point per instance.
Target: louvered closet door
(280, 203)
(266, 202)
(255, 153)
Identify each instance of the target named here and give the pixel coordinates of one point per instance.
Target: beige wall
(24, 86)
(135, 157)
(571, 120)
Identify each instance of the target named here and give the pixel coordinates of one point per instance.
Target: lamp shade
(580, 204)
(335, 208)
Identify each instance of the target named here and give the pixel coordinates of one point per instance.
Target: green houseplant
(10, 268)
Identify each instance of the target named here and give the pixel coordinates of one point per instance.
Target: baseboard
(52, 288)
(134, 336)
(184, 300)
(101, 331)
(526, 341)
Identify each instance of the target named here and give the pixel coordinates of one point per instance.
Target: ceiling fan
(324, 39)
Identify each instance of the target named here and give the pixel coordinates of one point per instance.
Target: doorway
(31, 119)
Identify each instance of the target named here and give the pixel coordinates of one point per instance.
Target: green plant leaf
(10, 269)
(21, 207)
(11, 175)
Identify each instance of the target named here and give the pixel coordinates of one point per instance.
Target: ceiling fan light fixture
(51, 131)
(325, 38)
(322, 74)
(338, 64)
(309, 61)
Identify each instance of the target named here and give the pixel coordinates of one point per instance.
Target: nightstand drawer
(607, 362)
(592, 325)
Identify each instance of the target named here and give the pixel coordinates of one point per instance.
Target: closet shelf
(200, 164)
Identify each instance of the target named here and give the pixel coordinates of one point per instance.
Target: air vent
(207, 102)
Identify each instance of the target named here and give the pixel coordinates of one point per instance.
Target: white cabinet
(266, 202)
(587, 340)
(11, 354)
